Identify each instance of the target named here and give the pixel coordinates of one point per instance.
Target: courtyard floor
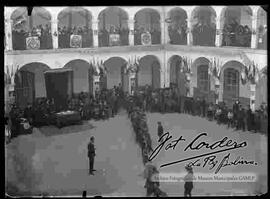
(54, 161)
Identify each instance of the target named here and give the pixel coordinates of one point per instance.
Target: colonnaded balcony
(77, 27)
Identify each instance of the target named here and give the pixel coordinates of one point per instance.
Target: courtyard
(54, 161)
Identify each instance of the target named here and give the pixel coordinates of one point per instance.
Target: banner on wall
(146, 38)
(75, 41)
(32, 43)
(114, 39)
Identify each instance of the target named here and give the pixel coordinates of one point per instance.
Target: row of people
(64, 36)
(168, 100)
(42, 32)
(143, 138)
(204, 34)
(236, 35)
(104, 36)
(178, 35)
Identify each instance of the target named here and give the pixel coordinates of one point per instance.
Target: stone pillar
(131, 32)
(8, 33)
(255, 35)
(252, 96)
(218, 32)
(189, 34)
(54, 32)
(95, 32)
(164, 31)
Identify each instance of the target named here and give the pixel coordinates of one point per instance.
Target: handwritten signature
(209, 158)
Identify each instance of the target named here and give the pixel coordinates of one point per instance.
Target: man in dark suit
(249, 119)
(203, 107)
(91, 155)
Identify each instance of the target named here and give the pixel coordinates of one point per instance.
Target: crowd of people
(105, 103)
(235, 34)
(155, 35)
(64, 35)
(178, 35)
(102, 105)
(104, 36)
(240, 116)
(42, 32)
(204, 34)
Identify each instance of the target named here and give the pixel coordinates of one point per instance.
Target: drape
(57, 87)
(24, 88)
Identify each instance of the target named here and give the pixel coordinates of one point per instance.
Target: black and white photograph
(135, 101)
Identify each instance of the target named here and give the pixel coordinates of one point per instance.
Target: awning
(58, 70)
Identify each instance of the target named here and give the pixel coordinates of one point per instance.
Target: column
(164, 31)
(218, 32)
(54, 32)
(189, 34)
(131, 31)
(8, 33)
(254, 29)
(95, 32)
(252, 96)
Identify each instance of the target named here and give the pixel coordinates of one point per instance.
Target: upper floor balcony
(98, 27)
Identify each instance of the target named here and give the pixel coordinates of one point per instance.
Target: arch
(201, 79)
(75, 21)
(203, 26)
(237, 26)
(236, 65)
(147, 20)
(30, 83)
(149, 71)
(177, 77)
(113, 27)
(178, 26)
(82, 76)
(200, 61)
(38, 24)
(231, 85)
(115, 73)
(231, 75)
(175, 65)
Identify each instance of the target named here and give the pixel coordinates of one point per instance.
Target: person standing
(249, 118)
(230, 118)
(241, 119)
(203, 105)
(91, 155)
(188, 181)
(235, 113)
(160, 131)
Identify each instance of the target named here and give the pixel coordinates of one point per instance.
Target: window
(231, 80)
(203, 79)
